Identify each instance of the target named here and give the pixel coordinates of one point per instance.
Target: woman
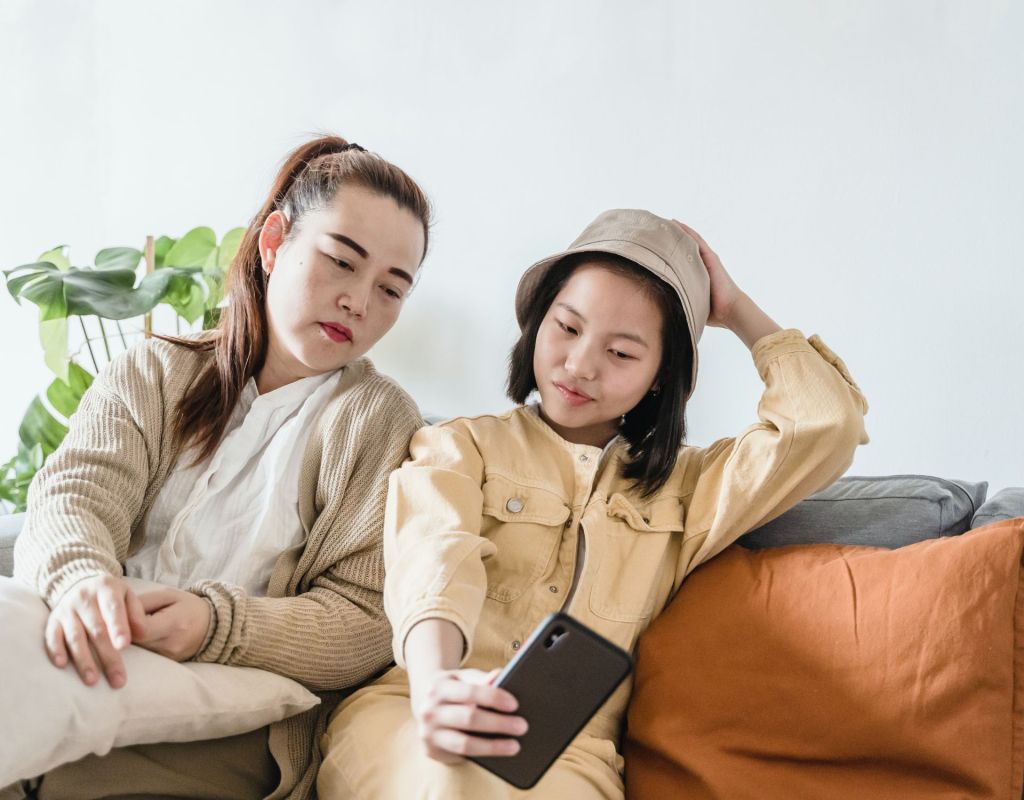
(246, 470)
(584, 502)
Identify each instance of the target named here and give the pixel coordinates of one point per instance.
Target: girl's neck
(597, 435)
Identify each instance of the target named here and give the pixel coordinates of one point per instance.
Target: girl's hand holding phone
(449, 706)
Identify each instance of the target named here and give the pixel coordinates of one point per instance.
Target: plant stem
(120, 331)
(177, 325)
(88, 344)
(103, 333)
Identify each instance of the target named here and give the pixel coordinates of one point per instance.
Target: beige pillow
(50, 717)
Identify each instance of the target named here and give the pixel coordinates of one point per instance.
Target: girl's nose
(580, 362)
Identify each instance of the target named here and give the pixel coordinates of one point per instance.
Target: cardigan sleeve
(331, 631)
(84, 500)
(811, 421)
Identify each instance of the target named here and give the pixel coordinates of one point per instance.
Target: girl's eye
(340, 262)
(623, 356)
(571, 331)
(393, 293)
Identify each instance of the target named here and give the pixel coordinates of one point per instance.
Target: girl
(246, 470)
(585, 502)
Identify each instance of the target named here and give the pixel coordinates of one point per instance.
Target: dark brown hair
(655, 428)
(309, 180)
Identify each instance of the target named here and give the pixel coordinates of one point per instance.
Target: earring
(622, 420)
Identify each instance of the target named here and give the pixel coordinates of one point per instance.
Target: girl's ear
(271, 238)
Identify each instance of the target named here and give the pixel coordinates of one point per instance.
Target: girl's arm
(450, 703)
(811, 419)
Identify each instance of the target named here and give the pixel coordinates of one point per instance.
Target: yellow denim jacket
(484, 523)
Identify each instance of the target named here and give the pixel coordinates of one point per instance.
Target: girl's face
(597, 353)
(336, 284)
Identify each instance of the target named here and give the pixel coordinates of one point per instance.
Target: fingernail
(60, 661)
(90, 676)
(522, 727)
(117, 680)
(122, 642)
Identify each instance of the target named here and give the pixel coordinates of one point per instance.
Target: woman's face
(336, 282)
(597, 353)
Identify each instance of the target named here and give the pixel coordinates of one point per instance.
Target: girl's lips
(572, 397)
(336, 333)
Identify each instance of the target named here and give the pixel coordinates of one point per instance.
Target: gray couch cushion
(10, 526)
(1006, 504)
(884, 511)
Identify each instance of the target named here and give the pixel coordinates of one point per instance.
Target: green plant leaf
(39, 427)
(192, 249)
(65, 396)
(118, 258)
(229, 247)
(160, 249)
(57, 257)
(41, 283)
(53, 336)
(210, 319)
(186, 293)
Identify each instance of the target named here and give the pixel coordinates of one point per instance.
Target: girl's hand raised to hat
(730, 307)
(724, 291)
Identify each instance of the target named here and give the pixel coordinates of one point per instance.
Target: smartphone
(561, 677)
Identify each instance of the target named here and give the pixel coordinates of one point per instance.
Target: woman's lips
(336, 333)
(571, 396)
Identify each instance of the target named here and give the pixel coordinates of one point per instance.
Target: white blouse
(229, 517)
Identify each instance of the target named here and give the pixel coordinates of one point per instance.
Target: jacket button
(515, 505)
(583, 458)
(515, 644)
(553, 589)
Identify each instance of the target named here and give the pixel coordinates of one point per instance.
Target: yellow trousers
(372, 752)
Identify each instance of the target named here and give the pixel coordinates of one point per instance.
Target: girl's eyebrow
(633, 337)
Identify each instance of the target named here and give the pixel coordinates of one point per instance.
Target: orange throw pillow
(834, 672)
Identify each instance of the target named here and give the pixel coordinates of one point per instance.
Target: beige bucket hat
(654, 243)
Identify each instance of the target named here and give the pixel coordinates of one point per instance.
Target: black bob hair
(655, 428)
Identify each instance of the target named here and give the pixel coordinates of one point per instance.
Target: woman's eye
(393, 293)
(340, 262)
(568, 329)
(623, 356)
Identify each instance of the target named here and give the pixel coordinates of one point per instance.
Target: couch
(882, 512)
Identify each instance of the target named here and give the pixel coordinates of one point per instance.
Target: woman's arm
(333, 633)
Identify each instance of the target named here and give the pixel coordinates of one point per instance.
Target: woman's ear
(271, 238)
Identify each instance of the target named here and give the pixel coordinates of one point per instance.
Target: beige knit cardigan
(322, 622)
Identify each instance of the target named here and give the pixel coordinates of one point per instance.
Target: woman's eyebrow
(340, 237)
(633, 337)
(346, 240)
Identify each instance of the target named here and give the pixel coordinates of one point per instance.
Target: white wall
(858, 166)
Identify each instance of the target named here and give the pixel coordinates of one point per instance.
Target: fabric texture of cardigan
(322, 622)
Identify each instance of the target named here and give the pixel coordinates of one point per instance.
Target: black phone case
(561, 677)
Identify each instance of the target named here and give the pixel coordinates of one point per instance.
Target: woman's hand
(95, 620)
(449, 706)
(174, 623)
(730, 307)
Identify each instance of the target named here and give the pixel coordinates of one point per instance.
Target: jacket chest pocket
(636, 551)
(526, 525)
